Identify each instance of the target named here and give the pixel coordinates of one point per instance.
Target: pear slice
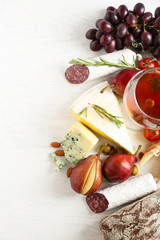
(90, 179)
(146, 157)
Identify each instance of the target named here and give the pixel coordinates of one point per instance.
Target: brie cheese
(93, 120)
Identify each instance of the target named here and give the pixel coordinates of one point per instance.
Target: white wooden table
(37, 39)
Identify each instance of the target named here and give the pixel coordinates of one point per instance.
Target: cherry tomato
(157, 64)
(152, 135)
(146, 63)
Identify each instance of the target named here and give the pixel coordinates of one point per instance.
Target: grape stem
(136, 45)
(102, 62)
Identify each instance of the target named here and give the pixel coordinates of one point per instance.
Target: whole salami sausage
(122, 193)
(79, 73)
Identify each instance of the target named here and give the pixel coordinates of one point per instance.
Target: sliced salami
(97, 202)
(77, 74)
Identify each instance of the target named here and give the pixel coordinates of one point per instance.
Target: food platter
(108, 182)
(86, 177)
(137, 137)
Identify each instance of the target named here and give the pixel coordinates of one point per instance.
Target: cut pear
(90, 179)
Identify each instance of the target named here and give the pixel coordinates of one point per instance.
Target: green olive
(134, 170)
(107, 148)
(120, 150)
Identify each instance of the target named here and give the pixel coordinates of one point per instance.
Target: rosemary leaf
(95, 108)
(102, 62)
(84, 110)
(102, 112)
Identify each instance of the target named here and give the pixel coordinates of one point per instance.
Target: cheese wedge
(78, 142)
(93, 120)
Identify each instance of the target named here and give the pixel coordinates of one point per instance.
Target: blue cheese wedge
(78, 142)
(83, 111)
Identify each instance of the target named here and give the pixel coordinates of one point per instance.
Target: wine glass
(142, 98)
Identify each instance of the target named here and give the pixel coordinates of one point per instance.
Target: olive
(113, 150)
(106, 148)
(120, 150)
(134, 170)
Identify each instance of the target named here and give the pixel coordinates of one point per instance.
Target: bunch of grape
(122, 27)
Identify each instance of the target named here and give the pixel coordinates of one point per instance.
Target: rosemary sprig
(102, 62)
(84, 110)
(102, 112)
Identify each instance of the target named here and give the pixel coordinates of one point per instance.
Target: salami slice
(77, 74)
(97, 202)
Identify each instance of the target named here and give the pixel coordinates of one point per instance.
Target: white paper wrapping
(97, 72)
(130, 190)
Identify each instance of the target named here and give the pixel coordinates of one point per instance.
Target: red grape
(154, 32)
(147, 17)
(119, 27)
(157, 23)
(122, 12)
(97, 22)
(119, 44)
(99, 34)
(156, 52)
(157, 12)
(131, 20)
(146, 38)
(121, 30)
(112, 17)
(156, 42)
(136, 31)
(105, 26)
(128, 39)
(139, 9)
(105, 39)
(111, 46)
(129, 11)
(95, 45)
(110, 8)
(91, 33)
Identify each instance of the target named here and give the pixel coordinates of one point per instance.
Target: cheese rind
(78, 142)
(103, 126)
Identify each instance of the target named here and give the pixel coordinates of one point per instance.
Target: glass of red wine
(142, 98)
